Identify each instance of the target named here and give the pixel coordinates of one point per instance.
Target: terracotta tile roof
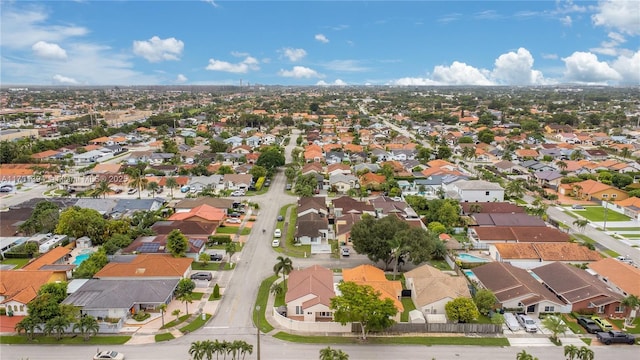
(338, 166)
(204, 212)
(629, 202)
(527, 153)
(45, 154)
(591, 186)
(374, 277)
(624, 276)
(22, 285)
(353, 148)
(155, 265)
(570, 252)
(371, 178)
(51, 257)
(315, 282)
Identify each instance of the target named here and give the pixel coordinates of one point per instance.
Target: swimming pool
(81, 257)
(470, 275)
(464, 257)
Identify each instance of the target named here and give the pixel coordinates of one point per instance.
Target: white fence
(306, 326)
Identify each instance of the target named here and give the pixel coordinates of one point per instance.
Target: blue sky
(320, 42)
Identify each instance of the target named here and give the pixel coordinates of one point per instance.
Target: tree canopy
(462, 310)
(271, 158)
(177, 243)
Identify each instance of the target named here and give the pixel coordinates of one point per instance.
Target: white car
(114, 355)
(275, 243)
(277, 233)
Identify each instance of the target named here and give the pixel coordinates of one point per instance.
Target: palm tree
(633, 302)
(398, 247)
(571, 351)
(555, 325)
(581, 223)
(197, 349)
(230, 249)
(171, 183)
(625, 152)
(277, 289)
(137, 180)
(218, 348)
(577, 191)
(153, 187)
(234, 348)
(585, 353)
(103, 189)
(576, 155)
(523, 355)
(515, 188)
(87, 325)
(561, 165)
(475, 208)
(57, 325)
(163, 308)
(284, 265)
(187, 298)
(245, 348)
(332, 354)
(28, 324)
(176, 313)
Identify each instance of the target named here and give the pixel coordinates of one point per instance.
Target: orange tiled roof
(632, 201)
(591, 186)
(45, 154)
(49, 258)
(204, 211)
(148, 265)
(625, 276)
(374, 277)
(22, 285)
(371, 178)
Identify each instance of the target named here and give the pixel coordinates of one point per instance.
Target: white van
(511, 321)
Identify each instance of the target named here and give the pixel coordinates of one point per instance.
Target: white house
(478, 191)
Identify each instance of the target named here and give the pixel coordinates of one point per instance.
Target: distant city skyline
(92, 43)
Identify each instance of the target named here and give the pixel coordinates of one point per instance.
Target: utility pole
(258, 334)
(604, 224)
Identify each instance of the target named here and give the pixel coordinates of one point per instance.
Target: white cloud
(21, 28)
(249, 63)
(181, 79)
(346, 66)
(337, 82)
(156, 49)
(299, 72)
(294, 54)
(213, 3)
(47, 50)
(409, 81)
(516, 68)
(550, 56)
(629, 68)
(610, 47)
(584, 67)
(566, 21)
(59, 79)
(239, 54)
(623, 15)
(460, 73)
(321, 38)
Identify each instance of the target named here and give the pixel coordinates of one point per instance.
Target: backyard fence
(401, 328)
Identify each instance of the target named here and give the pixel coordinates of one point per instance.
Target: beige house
(432, 289)
(309, 294)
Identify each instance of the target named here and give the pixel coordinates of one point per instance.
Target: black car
(280, 218)
(215, 257)
(589, 325)
(201, 276)
(234, 214)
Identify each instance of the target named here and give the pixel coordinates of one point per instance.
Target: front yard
(596, 213)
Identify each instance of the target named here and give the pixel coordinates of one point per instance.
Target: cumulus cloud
(294, 54)
(24, 27)
(623, 15)
(460, 73)
(337, 82)
(181, 79)
(516, 68)
(550, 56)
(321, 38)
(246, 65)
(47, 50)
(610, 47)
(629, 68)
(59, 79)
(584, 67)
(346, 66)
(299, 72)
(566, 21)
(156, 49)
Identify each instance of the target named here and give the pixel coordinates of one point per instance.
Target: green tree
(197, 349)
(461, 310)
(224, 169)
(78, 222)
(631, 301)
(485, 301)
(153, 187)
(555, 325)
(57, 326)
(486, 136)
(44, 218)
(176, 313)
(163, 309)
(91, 265)
(290, 173)
(171, 183)
(177, 243)
(436, 227)
(204, 259)
(515, 189)
(284, 266)
(218, 146)
(523, 355)
(86, 325)
(571, 351)
(305, 185)
(581, 223)
(257, 172)
(271, 158)
(184, 292)
(444, 152)
(561, 165)
(102, 189)
(216, 291)
(230, 249)
(28, 325)
(585, 353)
(169, 146)
(363, 305)
(137, 180)
(333, 354)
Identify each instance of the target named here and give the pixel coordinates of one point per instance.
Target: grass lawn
(179, 320)
(631, 330)
(196, 295)
(395, 340)
(279, 300)
(261, 300)
(586, 340)
(66, 340)
(572, 324)
(245, 231)
(585, 238)
(408, 305)
(197, 265)
(520, 202)
(440, 264)
(611, 253)
(596, 213)
(195, 324)
(623, 228)
(19, 263)
(164, 337)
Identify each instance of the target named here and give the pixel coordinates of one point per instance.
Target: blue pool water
(470, 258)
(80, 258)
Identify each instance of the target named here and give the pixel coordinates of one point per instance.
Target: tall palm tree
(555, 325)
(561, 165)
(87, 325)
(333, 354)
(475, 208)
(28, 324)
(585, 353)
(284, 265)
(153, 187)
(398, 247)
(245, 348)
(172, 183)
(218, 348)
(137, 180)
(103, 189)
(197, 349)
(633, 303)
(581, 223)
(57, 326)
(571, 351)
(523, 355)
(163, 308)
(516, 188)
(625, 152)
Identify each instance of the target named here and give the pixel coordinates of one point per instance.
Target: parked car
(280, 218)
(287, 187)
(511, 321)
(577, 207)
(527, 323)
(215, 257)
(277, 233)
(234, 214)
(612, 337)
(589, 325)
(237, 193)
(114, 355)
(201, 276)
(604, 324)
(345, 251)
(6, 188)
(185, 189)
(132, 191)
(275, 242)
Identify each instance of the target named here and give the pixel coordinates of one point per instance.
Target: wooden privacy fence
(436, 328)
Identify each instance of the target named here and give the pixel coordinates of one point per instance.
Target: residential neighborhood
(444, 212)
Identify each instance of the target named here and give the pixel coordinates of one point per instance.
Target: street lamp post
(258, 334)
(604, 224)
